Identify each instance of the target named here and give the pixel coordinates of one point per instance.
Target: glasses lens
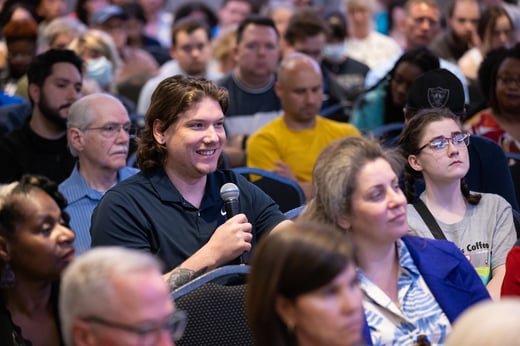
(438, 143)
(460, 138)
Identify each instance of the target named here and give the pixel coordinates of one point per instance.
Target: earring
(7, 279)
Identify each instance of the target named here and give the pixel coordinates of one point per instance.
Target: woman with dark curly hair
(35, 247)
(384, 103)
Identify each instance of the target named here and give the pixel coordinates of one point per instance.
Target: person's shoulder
(384, 40)
(275, 124)
(485, 145)
(131, 183)
(341, 127)
(70, 181)
(65, 186)
(358, 66)
(169, 68)
(420, 245)
(493, 199)
(127, 172)
(439, 41)
(226, 81)
(15, 137)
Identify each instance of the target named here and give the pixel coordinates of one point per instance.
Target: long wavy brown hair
(172, 97)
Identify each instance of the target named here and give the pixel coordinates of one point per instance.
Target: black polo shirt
(147, 212)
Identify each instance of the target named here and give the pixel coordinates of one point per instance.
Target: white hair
(370, 4)
(488, 324)
(86, 286)
(82, 113)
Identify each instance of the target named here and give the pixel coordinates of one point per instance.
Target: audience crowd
(122, 123)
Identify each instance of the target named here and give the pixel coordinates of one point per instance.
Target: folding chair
(215, 305)
(285, 192)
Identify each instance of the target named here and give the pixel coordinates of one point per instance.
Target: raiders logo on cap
(438, 97)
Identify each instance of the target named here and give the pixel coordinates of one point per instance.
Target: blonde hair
(491, 323)
(99, 41)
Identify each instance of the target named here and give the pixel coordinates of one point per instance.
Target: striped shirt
(418, 312)
(82, 199)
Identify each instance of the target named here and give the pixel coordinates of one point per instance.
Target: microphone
(229, 193)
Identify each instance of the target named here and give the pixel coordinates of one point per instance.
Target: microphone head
(229, 191)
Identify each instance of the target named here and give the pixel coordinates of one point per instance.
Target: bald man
(290, 144)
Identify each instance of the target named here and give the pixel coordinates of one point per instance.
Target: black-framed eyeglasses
(440, 143)
(149, 332)
(111, 130)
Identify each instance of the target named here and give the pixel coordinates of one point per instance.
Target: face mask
(100, 70)
(335, 51)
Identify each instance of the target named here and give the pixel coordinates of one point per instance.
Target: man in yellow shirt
(290, 144)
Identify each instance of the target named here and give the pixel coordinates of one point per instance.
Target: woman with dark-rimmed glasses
(480, 224)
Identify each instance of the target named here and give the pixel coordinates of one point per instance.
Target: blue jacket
(450, 277)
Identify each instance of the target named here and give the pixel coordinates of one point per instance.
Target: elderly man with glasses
(116, 296)
(98, 134)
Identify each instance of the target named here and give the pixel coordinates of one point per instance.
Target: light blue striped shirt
(418, 311)
(82, 200)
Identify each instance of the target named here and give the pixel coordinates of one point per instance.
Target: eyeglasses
(509, 80)
(112, 130)
(149, 332)
(440, 143)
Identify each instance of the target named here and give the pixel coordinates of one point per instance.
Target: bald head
(296, 62)
(299, 87)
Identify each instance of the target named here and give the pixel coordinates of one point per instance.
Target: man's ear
(76, 139)
(173, 52)
(235, 54)
(277, 88)
(82, 334)
(415, 163)
(34, 93)
(158, 133)
(285, 309)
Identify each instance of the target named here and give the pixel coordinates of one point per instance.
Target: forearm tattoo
(181, 276)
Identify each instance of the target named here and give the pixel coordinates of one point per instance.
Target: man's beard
(52, 114)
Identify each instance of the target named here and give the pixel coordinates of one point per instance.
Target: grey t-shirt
(485, 235)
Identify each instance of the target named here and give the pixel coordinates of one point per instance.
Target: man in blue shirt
(98, 134)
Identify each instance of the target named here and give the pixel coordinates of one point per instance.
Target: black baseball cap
(437, 88)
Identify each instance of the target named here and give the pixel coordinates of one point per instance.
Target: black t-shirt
(24, 152)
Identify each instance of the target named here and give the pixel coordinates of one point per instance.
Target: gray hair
(86, 286)
(502, 329)
(62, 25)
(82, 113)
(370, 4)
(97, 40)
